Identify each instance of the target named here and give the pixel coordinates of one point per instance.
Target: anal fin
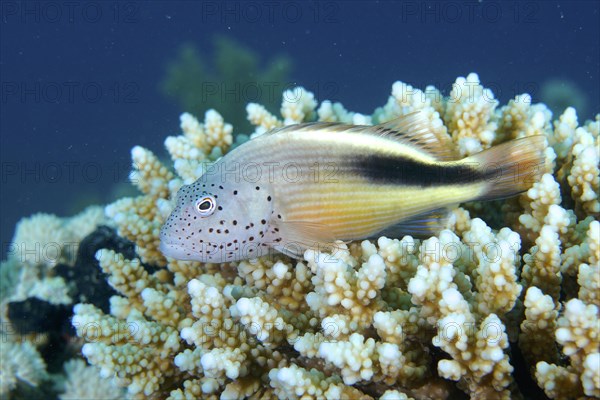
(421, 225)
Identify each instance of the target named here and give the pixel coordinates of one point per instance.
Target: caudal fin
(512, 167)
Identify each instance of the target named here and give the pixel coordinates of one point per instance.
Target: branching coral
(385, 318)
(577, 332)
(470, 115)
(41, 242)
(235, 78)
(21, 362)
(84, 383)
(371, 312)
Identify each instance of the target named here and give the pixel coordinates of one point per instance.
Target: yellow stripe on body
(352, 207)
(356, 210)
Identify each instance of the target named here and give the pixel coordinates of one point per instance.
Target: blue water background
(80, 79)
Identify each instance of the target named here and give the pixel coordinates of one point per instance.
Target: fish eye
(205, 206)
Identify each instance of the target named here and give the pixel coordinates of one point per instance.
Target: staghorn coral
(21, 363)
(84, 383)
(34, 279)
(537, 329)
(470, 115)
(41, 242)
(560, 94)
(189, 151)
(236, 76)
(298, 106)
(405, 99)
(371, 312)
(577, 332)
(584, 171)
(47, 240)
(385, 318)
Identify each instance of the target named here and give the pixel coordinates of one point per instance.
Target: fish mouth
(178, 251)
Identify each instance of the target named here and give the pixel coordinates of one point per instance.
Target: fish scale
(309, 185)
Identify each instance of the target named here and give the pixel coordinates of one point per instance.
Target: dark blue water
(80, 80)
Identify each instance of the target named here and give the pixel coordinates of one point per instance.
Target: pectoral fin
(298, 236)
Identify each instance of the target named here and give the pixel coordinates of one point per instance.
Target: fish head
(217, 222)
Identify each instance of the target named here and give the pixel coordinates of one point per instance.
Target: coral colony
(474, 312)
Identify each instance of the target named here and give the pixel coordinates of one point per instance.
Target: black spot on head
(262, 221)
(268, 198)
(257, 188)
(210, 230)
(235, 192)
(220, 187)
(234, 222)
(220, 208)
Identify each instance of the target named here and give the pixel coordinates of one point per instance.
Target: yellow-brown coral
(388, 318)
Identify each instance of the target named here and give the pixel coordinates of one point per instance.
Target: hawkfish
(312, 185)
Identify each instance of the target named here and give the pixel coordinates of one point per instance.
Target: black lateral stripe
(394, 170)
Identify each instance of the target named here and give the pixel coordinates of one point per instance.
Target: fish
(312, 185)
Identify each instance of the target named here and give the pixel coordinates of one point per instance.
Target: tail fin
(512, 167)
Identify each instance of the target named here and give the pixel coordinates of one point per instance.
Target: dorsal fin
(414, 129)
(321, 126)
